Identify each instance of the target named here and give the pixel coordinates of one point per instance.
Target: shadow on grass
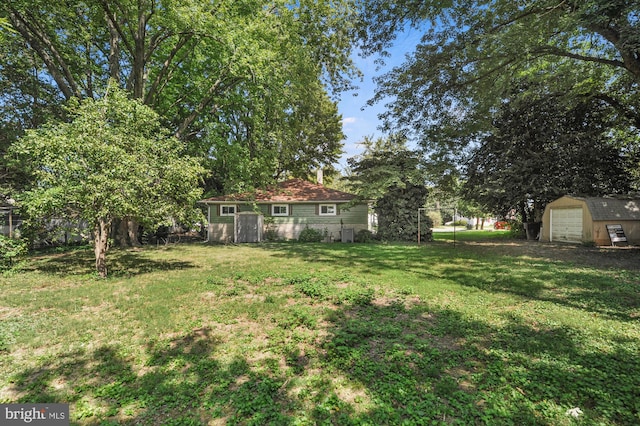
(426, 366)
(382, 363)
(182, 382)
(120, 263)
(605, 292)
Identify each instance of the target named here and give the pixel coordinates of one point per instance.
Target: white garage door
(566, 225)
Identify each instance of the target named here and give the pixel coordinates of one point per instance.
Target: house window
(227, 210)
(328, 210)
(280, 210)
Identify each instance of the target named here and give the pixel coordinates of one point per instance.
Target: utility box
(347, 235)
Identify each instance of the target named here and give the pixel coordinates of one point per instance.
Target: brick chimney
(319, 176)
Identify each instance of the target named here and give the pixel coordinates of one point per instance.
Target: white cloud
(349, 120)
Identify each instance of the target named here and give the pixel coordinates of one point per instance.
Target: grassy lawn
(462, 234)
(325, 334)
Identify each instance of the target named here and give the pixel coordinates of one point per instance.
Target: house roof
(289, 191)
(609, 208)
(613, 208)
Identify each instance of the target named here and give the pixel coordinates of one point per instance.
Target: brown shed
(585, 219)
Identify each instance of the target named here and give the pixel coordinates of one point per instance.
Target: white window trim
(334, 213)
(222, 206)
(273, 208)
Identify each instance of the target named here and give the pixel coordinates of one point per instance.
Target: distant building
(285, 210)
(585, 220)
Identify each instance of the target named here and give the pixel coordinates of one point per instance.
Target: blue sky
(358, 119)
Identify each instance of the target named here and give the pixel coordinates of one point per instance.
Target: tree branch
(487, 74)
(555, 51)
(164, 71)
(48, 53)
(111, 17)
(114, 51)
(629, 57)
(205, 101)
(619, 106)
(139, 62)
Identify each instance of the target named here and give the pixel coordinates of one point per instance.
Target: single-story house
(598, 220)
(284, 210)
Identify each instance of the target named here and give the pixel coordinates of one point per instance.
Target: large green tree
(392, 176)
(112, 160)
(203, 66)
(472, 52)
(540, 149)
(273, 137)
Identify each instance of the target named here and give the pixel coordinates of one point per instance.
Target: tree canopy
(390, 175)
(473, 53)
(385, 162)
(243, 73)
(112, 160)
(541, 149)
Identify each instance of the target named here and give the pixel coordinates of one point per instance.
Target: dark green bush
(363, 236)
(271, 235)
(10, 250)
(310, 235)
(516, 230)
(398, 210)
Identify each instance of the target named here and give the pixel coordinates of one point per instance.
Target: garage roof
(613, 208)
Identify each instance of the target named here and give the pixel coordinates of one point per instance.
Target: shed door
(248, 228)
(566, 225)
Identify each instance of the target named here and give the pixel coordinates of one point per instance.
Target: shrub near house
(11, 249)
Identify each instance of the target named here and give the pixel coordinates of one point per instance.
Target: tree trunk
(114, 51)
(523, 212)
(139, 60)
(126, 232)
(532, 230)
(120, 233)
(101, 238)
(132, 231)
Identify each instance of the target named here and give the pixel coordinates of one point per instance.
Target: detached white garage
(565, 224)
(585, 220)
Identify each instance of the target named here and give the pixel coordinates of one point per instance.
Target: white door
(566, 225)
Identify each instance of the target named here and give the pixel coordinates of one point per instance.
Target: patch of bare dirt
(599, 257)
